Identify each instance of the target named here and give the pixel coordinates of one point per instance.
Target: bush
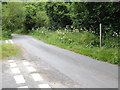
(6, 35)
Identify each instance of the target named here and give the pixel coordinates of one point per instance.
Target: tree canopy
(56, 15)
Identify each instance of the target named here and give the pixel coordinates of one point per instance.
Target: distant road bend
(85, 71)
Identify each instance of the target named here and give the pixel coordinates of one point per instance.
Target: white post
(100, 35)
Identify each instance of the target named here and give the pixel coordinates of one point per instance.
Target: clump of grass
(8, 50)
(5, 35)
(83, 42)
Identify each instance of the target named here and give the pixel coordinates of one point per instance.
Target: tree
(58, 15)
(35, 16)
(79, 15)
(13, 16)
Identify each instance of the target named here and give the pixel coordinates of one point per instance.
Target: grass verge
(80, 42)
(8, 50)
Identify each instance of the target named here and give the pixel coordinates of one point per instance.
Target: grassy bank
(8, 50)
(81, 42)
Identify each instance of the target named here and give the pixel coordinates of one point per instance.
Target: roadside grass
(103, 54)
(83, 42)
(6, 35)
(6, 38)
(8, 50)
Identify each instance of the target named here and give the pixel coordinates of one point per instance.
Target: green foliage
(13, 15)
(89, 15)
(6, 35)
(0, 13)
(79, 15)
(58, 15)
(35, 16)
(30, 19)
(105, 13)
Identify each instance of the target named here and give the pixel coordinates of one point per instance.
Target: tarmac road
(65, 67)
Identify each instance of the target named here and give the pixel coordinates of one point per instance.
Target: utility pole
(100, 35)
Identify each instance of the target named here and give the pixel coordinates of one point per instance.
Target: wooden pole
(100, 35)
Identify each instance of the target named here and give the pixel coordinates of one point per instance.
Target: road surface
(64, 68)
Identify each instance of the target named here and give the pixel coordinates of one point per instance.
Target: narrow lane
(85, 71)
